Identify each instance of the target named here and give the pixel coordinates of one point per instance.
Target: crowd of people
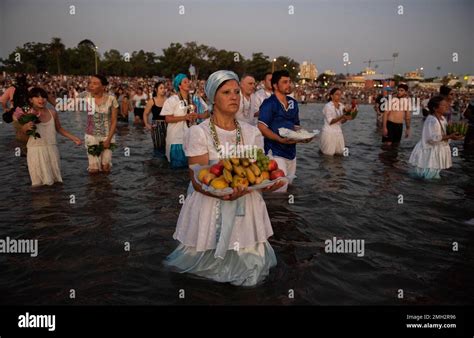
(190, 121)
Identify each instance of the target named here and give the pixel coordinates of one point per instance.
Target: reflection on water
(83, 245)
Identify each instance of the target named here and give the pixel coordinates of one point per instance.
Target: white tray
(297, 135)
(227, 191)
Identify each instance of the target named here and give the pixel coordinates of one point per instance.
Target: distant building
(355, 81)
(329, 72)
(468, 80)
(415, 75)
(430, 85)
(379, 81)
(308, 71)
(369, 71)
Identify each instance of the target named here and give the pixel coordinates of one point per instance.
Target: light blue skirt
(427, 173)
(177, 157)
(246, 267)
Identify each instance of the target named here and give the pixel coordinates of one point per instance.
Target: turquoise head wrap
(177, 81)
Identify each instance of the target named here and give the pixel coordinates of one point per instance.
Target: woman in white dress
(223, 238)
(432, 153)
(179, 118)
(101, 124)
(43, 154)
(332, 139)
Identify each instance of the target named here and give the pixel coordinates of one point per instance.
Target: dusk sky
(426, 35)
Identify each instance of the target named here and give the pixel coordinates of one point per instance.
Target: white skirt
(197, 222)
(44, 165)
(433, 157)
(247, 257)
(331, 143)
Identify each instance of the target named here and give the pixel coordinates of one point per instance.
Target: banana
(244, 183)
(245, 162)
(235, 181)
(219, 183)
(227, 165)
(250, 175)
(235, 161)
(227, 175)
(239, 170)
(255, 169)
(239, 182)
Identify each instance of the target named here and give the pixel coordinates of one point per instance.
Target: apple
(272, 165)
(217, 169)
(208, 178)
(276, 174)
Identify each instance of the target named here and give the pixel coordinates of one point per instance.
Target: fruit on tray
(240, 172)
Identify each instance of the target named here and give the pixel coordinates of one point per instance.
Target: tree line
(55, 58)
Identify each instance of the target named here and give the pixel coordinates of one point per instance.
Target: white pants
(288, 167)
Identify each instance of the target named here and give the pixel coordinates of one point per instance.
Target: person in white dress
(43, 154)
(224, 239)
(101, 123)
(432, 153)
(332, 139)
(178, 119)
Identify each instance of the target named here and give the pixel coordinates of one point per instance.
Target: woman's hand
(76, 140)
(385, 132)
(106, 144)
(274, 186)
(147, 126)
(455, 136)
(238, 192)
(27, 127)
(191, 117)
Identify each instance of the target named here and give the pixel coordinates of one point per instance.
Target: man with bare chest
(396, 112)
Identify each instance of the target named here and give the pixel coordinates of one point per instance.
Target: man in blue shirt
(280, 111)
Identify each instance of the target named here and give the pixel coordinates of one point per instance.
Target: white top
(431, 152)
(138, 100)
(259, 96)
(197, 220)
(47, 131)
(330, 112)
(198, 139)
(245, 112)
(173, 106)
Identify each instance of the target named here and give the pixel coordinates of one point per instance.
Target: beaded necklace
(215, 137)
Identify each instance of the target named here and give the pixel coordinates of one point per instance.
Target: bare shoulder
(53, 112)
